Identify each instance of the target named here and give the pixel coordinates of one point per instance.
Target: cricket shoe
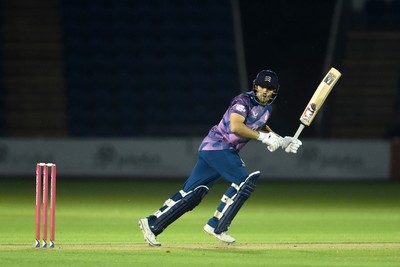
(148, 235)
(224, 236)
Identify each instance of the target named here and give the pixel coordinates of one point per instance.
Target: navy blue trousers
(212, 165)
(209, 168)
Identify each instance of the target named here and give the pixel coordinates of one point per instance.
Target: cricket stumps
(42, 198)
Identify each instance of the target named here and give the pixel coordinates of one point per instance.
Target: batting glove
(272, 140)
(291, 144)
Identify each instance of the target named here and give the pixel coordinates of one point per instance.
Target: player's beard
(262, 98)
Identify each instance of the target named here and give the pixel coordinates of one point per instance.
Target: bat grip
(299, 130)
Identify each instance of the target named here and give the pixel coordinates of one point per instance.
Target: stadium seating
(137, 68)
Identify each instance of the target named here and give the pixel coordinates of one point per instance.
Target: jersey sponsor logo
(240, 108)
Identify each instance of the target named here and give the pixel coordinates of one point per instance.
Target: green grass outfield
(282, 224)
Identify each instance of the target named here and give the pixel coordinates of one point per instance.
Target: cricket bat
(318, 99)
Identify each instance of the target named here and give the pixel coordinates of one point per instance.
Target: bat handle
(299, 130)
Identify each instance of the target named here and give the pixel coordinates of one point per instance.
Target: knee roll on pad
(245, 190)
(188, 202)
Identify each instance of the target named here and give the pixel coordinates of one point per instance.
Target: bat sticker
(330, 78)
(309, 112)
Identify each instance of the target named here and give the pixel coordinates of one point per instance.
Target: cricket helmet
(267, 79)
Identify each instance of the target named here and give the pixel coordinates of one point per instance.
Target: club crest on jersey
(309, 112)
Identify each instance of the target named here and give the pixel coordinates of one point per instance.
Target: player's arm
(237, 126)
(267, 129)
(288, 143)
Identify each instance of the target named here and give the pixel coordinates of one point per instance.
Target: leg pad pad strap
(187, 203)
(245, 190)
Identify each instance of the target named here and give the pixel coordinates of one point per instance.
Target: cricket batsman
(218, 157)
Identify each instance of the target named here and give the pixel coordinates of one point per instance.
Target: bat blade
(318, 99)
(320, 94)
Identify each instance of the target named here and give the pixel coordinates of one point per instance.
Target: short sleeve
(239, 106)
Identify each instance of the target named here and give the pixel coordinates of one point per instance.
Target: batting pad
(233, 205)
(188, 202)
